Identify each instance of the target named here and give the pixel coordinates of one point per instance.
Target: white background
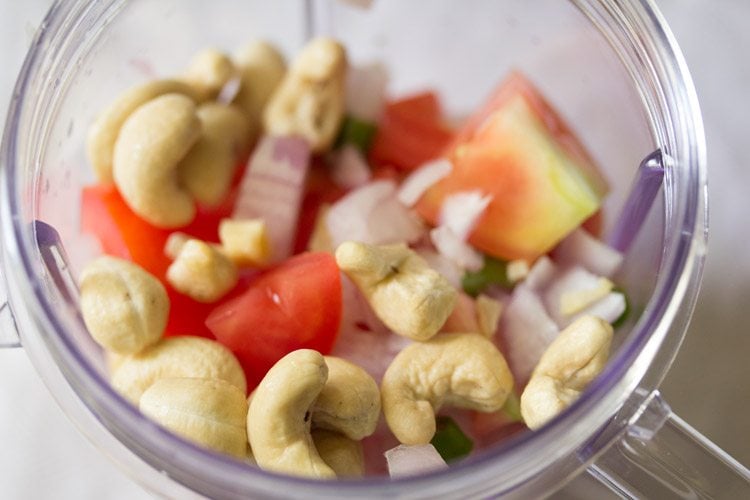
(42, 455)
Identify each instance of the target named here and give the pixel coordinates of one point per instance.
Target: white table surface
(42, 455)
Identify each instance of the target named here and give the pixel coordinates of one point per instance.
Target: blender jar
(611, 68)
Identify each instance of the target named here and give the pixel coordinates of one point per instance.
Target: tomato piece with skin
(410, 133)
(295, 305)
(541, 181)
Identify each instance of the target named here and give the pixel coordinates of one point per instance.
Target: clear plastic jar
(612, 69)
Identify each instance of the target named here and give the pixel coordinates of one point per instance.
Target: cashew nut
(309, 102)
(202, 272)
(569, 364)
(175, 242)
(148, 150)
(208, 72)
(304, 390)
(176, 357)
(261, 68)
(412, 299)
(457, 369)
(343, 455)
(125, 308)
(100, 144)
(278, 421)
(211, 413)
(488, 314)
(349, 402)
(207, 169)
(245, 241)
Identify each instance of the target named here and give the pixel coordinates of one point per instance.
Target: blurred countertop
(43, 456)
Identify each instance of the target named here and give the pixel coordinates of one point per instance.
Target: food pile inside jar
(306, 273)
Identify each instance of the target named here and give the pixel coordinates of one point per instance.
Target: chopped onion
(412, 460)
(571, 281)
(372, 214)
(541, 274)
(642, 196)
(365, 91)
(456, 249)
(526, 331)
(364, 339)
(460, 212)
(422, 179)
(350, 169)
(446, 267)
(610, 308)
(272, 189)
(581, 248)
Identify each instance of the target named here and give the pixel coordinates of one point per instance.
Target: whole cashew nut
(211, 413)
(176, 357)
(125, 308)
(261, 68)
(202, 272)
(569, 364)
(343, 455)
(349, 402)
(278, 421)
(309, 102)
(457, 369)
(207, 169)
(305, 390)
(148, 150)
(100, 144)
(208, 72)
(411, 298)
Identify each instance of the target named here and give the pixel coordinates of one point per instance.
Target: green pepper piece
(493, 272)
(449, 440)
(357, 132)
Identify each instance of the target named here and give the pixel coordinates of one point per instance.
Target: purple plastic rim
(160, 448)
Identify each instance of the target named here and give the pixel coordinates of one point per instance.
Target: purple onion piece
(641, 198)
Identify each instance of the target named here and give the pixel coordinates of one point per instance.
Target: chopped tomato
(124, 234)
(410, 133)
(296, 305)
(541, 181)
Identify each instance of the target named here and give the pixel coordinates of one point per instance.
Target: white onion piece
(570, 279)
(365, 91)
(527, 331)
(347, 218)
(446, 267)
(272, 189)
(460, 212)
(609, 308)
(579, 247)
(456, 249)
(541, 274)
(392, 222)
(350, 169)
(412, 460)
(364, 339)
(419, 181)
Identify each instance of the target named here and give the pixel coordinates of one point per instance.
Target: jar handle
(661, 456)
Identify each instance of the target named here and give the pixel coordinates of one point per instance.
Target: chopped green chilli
(493, 272)
(357, 132)
(450, 441)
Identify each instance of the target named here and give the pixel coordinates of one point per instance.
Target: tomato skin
(410, 133)
(295, 305)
